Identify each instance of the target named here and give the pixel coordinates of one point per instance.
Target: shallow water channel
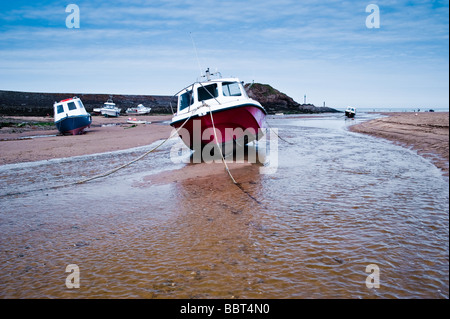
(337, 202)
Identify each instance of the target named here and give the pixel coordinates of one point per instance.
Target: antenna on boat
(196, 53)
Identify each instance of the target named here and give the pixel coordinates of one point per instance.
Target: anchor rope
(107, 173)
(133, 161)
(218, 146)
(284, 140)
(239, 185)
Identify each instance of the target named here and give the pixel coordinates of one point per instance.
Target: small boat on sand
(110, 109)
(136, 121)
(71, 116)
(222, 104)
(350, 112)
(138, 110)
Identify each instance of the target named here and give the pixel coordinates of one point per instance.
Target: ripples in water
(338, 202)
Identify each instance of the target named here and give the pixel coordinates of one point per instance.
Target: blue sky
(321, 49)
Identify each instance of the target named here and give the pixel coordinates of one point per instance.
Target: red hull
(78, 131)
(241, 124)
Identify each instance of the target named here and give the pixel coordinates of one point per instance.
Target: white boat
(71, 116)
(136, 121)
(350, 112)
(110, 109)
(138, 110)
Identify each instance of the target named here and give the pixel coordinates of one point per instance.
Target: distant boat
(110, 109)
(71, 116)
(350, 112)
(237, 118)
(136, 121)
(138, 110)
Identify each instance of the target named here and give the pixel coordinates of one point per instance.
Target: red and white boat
(221, 104)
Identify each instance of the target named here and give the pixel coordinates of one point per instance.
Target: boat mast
(208, 75)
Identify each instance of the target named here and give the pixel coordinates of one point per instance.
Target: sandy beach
(427, 133)
(104, 135)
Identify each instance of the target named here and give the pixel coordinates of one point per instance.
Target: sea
(395, 109)
(333, 214)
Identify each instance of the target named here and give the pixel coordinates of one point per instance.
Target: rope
(277, 134)
(225, 163)
(210, 94)
(218, 146)
(133, 161)
(107, 173)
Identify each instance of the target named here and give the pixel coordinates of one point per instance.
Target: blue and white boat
(71, 116)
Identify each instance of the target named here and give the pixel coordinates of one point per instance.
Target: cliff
(275, 101)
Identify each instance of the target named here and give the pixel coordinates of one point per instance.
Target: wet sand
(338, 202)
(105, 135)
(427, 133)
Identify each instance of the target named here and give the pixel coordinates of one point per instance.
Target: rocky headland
(41, 104)
(275, 101)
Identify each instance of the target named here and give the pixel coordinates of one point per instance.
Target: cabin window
(186, 99)
(71, 106)
(80, 105)
(231, 89)
(59, 108)
(207, 92)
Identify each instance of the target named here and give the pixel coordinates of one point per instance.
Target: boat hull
(239, 124)
(74, 124)
(138, 112)
(349, 114)
(112, 113)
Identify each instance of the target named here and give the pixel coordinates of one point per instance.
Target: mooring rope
(133, 161)
(107, 173)
(270, 128)
(219, 147)
(239, 185)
